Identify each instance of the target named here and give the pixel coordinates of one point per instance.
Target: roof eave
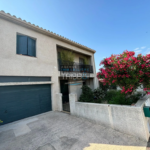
(26, 24)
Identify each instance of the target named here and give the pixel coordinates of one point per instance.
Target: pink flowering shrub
(127, 71)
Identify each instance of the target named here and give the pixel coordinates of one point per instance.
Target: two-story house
(30, 73)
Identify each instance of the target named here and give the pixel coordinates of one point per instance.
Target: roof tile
(50, 32)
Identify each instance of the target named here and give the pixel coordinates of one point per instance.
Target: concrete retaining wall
(126, 119)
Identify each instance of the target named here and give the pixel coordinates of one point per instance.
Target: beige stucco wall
(76, 89)
(45, 62)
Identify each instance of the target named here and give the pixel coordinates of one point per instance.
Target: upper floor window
(26, 45)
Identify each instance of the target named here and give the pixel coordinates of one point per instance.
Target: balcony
(74, 67)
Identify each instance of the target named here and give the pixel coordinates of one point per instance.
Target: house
(30, 76)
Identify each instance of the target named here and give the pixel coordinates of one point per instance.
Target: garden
(125, 71)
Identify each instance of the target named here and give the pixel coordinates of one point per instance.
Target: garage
(22, 101)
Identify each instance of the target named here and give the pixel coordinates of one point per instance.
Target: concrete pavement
(61, 131)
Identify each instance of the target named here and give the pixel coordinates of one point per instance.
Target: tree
(126, 71)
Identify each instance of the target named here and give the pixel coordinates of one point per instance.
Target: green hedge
(112, 96)
(116, 97)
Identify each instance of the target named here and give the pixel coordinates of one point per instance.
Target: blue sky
(107, 26)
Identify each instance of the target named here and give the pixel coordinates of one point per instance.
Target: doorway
(65, 94)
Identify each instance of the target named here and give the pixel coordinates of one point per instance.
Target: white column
(59, 101)
(95, 80)
(72, 100)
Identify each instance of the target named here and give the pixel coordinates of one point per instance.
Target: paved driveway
(61, 131)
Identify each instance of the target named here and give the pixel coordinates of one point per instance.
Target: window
(26, 45)
(81, 61)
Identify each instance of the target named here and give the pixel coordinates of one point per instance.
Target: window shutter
(21, 45)
(31, 47)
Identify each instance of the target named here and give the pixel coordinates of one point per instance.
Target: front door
(65, 94)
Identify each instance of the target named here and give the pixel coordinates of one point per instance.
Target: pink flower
(113, 81)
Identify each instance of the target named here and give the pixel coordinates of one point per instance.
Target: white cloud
(148, 49)
(143, 47)
(136, 48)
(137, 52)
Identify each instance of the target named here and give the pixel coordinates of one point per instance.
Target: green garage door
(18, 102)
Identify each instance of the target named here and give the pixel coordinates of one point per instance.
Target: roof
(24, 23)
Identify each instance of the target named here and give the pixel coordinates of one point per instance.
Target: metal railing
(77, 65)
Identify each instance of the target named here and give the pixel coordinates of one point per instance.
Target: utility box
(146, 111)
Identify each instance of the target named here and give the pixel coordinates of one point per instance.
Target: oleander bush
(126, 71)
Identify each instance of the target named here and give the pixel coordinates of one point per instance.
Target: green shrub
(116, 97)
(113, 86)
(134, 98)
(87, 94)
(99, 94)
(112, 96)
(103, 87)
(106, 87)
